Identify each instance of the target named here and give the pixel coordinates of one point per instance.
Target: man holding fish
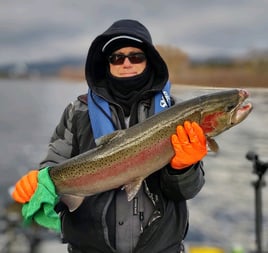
(128, 83)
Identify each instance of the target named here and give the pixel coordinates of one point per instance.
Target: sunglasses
(134, 58)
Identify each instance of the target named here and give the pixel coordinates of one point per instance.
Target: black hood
(96, 63)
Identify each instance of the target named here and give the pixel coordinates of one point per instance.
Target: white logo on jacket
(164, 100)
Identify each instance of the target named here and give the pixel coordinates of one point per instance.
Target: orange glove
(189, 145)
(25, 187)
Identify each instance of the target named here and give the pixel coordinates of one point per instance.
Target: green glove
(40, 208)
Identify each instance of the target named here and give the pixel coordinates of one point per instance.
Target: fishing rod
(259, 168)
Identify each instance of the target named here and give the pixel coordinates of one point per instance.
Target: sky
(35, 30)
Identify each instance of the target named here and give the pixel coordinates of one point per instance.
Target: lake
(223, 212)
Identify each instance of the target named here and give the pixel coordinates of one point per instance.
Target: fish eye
(230, 107)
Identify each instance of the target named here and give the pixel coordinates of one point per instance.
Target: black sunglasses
(134, 58)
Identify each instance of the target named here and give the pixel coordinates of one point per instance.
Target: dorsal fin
(107, 138)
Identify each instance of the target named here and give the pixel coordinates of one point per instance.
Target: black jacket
(92, 227)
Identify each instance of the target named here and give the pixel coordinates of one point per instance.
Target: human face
(127, 69)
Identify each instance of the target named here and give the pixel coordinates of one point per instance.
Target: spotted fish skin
(126, 157)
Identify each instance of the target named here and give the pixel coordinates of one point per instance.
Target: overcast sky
(33, 30)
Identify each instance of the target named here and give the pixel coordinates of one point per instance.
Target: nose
(127, 62)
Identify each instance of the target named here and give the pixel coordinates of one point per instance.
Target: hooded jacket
(96, 64)
(93, 226)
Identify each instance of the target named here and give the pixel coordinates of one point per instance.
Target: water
(221, 215)
(29, 112)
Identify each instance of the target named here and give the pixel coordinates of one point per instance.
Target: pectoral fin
(212, 144)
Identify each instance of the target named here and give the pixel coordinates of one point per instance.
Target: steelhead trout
(126, 157)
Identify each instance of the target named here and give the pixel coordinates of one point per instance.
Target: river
(223, 212)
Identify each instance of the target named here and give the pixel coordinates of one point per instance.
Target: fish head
(226, 110)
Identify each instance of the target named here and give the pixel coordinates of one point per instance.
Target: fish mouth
(242, 110)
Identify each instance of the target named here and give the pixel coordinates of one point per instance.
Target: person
(127, 79)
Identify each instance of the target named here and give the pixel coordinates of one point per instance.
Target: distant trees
(250, 70)
(177, 61)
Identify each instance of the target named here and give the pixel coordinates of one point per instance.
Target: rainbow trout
(126, 157)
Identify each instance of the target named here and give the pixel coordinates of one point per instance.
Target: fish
(126, 157)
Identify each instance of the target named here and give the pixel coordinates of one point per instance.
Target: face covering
(127, 90)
